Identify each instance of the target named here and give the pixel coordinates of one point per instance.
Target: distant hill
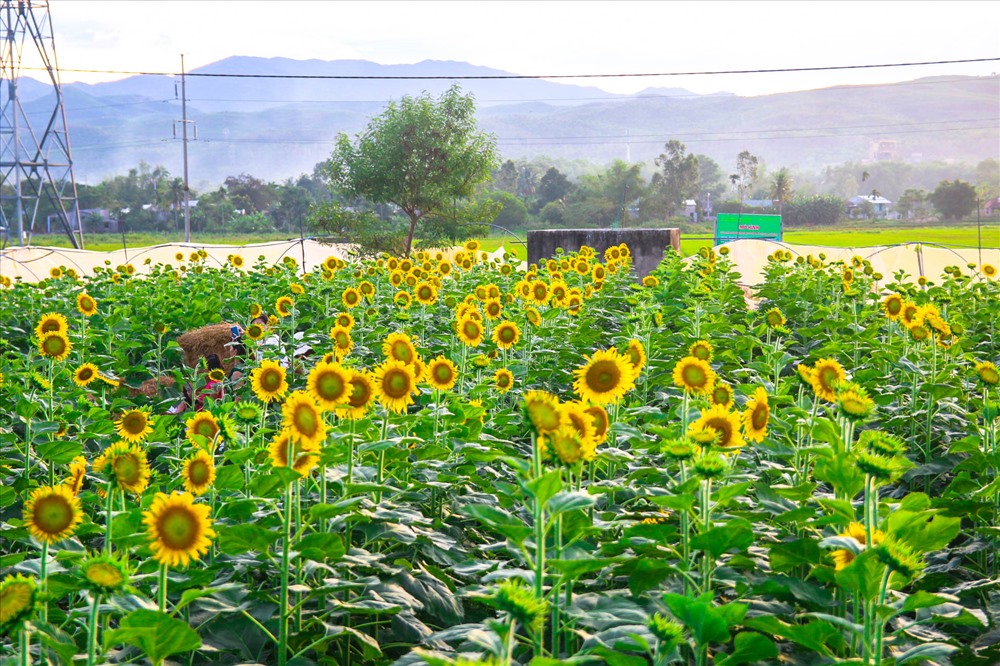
(276, 128)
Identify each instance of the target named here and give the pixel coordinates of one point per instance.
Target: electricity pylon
(35, 161)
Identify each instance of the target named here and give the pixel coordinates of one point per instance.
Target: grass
(847, 235)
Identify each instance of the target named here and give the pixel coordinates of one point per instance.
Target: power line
(401, 77)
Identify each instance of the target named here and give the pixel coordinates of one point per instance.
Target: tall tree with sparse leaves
(421, 154)
(679, 180)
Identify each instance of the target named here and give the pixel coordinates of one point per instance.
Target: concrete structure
(647, 246)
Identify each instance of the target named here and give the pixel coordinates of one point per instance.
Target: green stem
(162, 591)
(539, 518)
(285, 549)
(43, 581)
(92, 630)
(108, 502)
(880, 629)
(25, 647)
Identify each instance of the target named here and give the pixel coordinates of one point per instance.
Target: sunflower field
(474, 462)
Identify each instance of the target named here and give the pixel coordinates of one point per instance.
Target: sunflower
(892, 305)
(756, 416)
(362, 393)
(919, 333)
(105, 574)
(344, 320)
(775, 318)
(399, 347)
(17, 602)
(85, 374)
(306, 458)
(86, 304)
(636, 353)
(268, 381)
(296, 289)
(470, 331)
(247, 412)
(605, 378)
(826, 374)
(853, 402)
(126, 466)
(533, 316)
(425, 293)
(367, 289)
(601, 422)
(506, 334)
(543, 411)
(908, 314)
(989, 270)
(55, 346)
(694, 375)
(402, 299)
(254, 332)
(442, 374)
(575, 415)
(236, 261)
(856, 531)
(394, 385)
(987, 373)
(722, 394)
(283, 306)
(351, 297)
(650, 281)
(256, 310)
(52, 513)
(568, 445)
(722, 424)
(540, 292)
(52, 322)
(179, 530)
(202, 424)
(472, 246)
(198, 473)
(77, 475)
(503, 380)
(329, 384)
(493, 308)
(134, 425)
(598, 273)
(303, 420)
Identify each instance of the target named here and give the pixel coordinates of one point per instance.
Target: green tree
(781, 188)
(988, 178)
(506, 177)
(420, 154)
(711, 179)
(746, 175)
(955, 200)
(553, 186)
(912, 204)
(678, 176)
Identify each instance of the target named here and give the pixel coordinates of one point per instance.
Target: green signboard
(730, 227)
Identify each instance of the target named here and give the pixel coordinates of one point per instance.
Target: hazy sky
(544, 37)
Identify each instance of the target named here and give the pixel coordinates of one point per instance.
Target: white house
(880, 206)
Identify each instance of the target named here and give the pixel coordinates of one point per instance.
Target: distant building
(877, 206)
(691, 209)
(758, 203)
(992, 206)
(884, 149)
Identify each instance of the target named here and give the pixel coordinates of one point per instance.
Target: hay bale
(203, 341)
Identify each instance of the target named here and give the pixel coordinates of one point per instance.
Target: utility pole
(184, 141)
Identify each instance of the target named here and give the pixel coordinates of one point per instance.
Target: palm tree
(781, 188)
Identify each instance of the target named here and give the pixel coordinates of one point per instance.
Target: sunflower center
(893, 306)
(695, 376)
(104, 575)
(471, 329)
(544, 416)
(506, 335)
(270, 380)
(127, 468)
(442, 373)
(402, 352)
(359, 395)
(199, 473)
(396, 384)
(54, 345)
(178, 528)
(603, 376)
(503, 381)
(759, 416)
(723, 427)
(306, 420)
(53, 514)
(85, 374)
(134, 423)
(330, 386)
(342, 340)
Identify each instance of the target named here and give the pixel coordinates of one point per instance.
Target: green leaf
(922, 599)
(926, 652)
(236, 539)
(863, 575)
(787, 555)
(748, 648)
(229, 477)
(842, 473)
(705, 622)
(321, 546)
(573, 569)
(736, 535)
(924, 531)
(270, 485)
(59, 451)
(499, 521)
(569, 501)
(157, 634)
(815, 635)
(546, 486)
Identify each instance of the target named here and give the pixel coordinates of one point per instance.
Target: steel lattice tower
(36, 167)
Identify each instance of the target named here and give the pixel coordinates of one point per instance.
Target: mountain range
(264, 123)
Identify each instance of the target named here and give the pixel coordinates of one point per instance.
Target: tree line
(423, 171)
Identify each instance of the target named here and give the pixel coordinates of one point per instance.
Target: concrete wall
(646, 245)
